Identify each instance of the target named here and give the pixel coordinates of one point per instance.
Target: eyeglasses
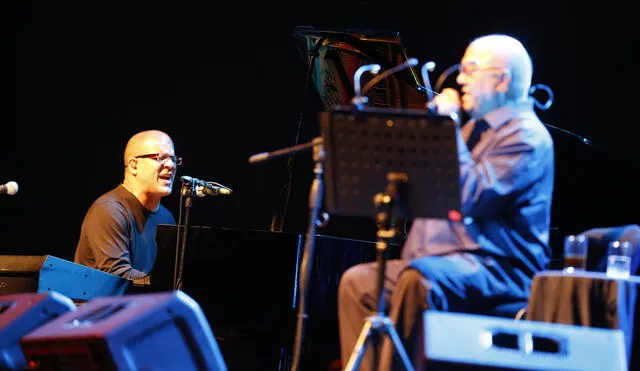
(162, 158)
(472, 67)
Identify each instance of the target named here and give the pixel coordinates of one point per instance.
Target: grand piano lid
(338, 53)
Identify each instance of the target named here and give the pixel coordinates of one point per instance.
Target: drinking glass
(619, 259)
(575, 253)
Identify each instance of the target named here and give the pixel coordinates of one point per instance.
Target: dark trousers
(458, 282)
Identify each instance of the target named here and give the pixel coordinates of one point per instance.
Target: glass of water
(619, 259)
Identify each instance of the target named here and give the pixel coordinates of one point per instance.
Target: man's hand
(448, 102)
(143, 281)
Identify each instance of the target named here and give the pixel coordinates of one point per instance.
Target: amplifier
(21, 314)
(44, 273)
(455, 341)
(153, 331)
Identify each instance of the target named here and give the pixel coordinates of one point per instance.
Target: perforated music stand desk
(412, 156)
(363, 146)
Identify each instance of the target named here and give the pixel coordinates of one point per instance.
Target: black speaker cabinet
(455, 341)
(21, 314)
(43, 273)
(153, 331)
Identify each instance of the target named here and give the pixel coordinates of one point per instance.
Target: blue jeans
(458, 282)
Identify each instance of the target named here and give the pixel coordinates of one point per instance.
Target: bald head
(150, 167)
(505, 51)
(145, 142)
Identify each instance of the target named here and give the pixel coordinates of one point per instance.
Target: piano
(246, 282)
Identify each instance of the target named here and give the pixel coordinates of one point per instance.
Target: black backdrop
(226, 82)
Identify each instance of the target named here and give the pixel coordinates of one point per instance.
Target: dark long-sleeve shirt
(118, 235)
(507, 186)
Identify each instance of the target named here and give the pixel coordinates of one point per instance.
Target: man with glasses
(489, 258)
(118, 233)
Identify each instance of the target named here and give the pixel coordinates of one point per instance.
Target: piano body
(246, 282)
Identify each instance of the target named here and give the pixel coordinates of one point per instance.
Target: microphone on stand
(203, 188)
(429, 66)
(10, 188)
(359, 99)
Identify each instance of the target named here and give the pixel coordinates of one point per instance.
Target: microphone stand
(315, 202)
(188, 191)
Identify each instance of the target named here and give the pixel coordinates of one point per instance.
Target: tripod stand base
(377, 323)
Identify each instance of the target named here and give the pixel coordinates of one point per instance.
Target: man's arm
(107, 230)
(514, 165)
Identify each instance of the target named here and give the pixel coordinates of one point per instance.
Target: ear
(505, 82)
(133, 166)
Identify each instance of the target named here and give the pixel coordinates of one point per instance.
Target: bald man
(118, 233)
(506, 175)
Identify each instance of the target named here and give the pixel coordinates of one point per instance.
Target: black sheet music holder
(379, 161)
(363, 146)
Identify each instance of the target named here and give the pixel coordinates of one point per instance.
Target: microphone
(203, 188)
(10, 188)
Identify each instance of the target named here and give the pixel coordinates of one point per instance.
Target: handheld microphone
(10, 188)
(203, 188)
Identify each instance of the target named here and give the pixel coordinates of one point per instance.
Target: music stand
(413, 156)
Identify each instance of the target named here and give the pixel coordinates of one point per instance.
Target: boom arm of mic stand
(264, 156)
(570, 134)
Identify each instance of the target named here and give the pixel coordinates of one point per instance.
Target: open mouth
(166, 177)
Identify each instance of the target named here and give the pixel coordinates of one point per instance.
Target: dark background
(228, 83)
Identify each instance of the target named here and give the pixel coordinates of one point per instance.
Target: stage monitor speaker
(21, 314)
(152, 331)
(44, 273)
(455, 341)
